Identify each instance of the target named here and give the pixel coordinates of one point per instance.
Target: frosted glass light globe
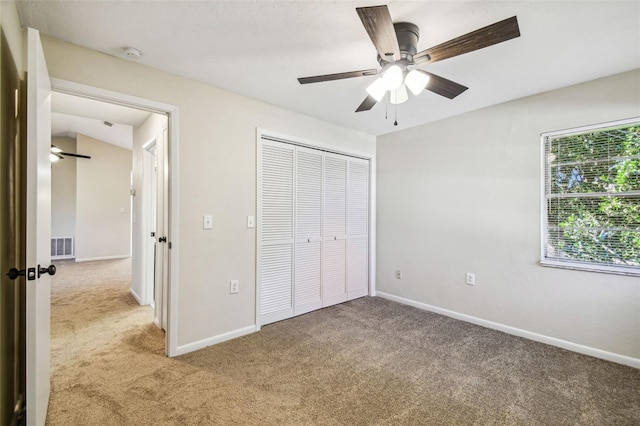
(377, 90)
(399, 95)
(416, 81)
(392, 77)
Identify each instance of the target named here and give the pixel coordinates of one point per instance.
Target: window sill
(603, 269)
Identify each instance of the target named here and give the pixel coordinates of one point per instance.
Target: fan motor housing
(407, 35)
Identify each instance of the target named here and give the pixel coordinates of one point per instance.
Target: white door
(308, 231)
(162, 230)
(275, 226)
(334, 249)
(38, 224)
(358, 228)
(150, 181)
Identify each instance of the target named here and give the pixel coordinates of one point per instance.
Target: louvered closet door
(358, 228)
(334, 283)
(308, 231)
(275, 215)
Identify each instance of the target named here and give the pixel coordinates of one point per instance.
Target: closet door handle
(308, 240)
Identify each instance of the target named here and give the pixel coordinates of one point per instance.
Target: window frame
(575, 264)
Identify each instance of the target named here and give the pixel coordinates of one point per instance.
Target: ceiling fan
(396, 44)
(58, 154)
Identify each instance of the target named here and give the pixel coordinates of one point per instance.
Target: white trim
(77, 89)
(91, 259)
(372, 226)
(585, 129)
(258, 224)
(564, 344)
(135, 296)
(262, 134)
(209, 341)
(544, 223)
(631, 271)
(99, 94)
(308, 143)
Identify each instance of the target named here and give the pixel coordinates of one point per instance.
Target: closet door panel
(308, 294)
(276, 297)
(358, 228)
(335, 196)
(334, 289)
(308, 231)
(275, 224)
(334, 282)
(358, 267)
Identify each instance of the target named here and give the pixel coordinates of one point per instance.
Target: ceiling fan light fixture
(377, 89)
(54, 157)
(392, 77)
(416, 81)
(399, 95)
(55, 149)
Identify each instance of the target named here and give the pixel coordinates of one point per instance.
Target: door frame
(82, 90)
(262, 134)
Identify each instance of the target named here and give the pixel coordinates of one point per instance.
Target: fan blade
(367, 104)
(478, 39)
(377, 21)
(338, 76)
(71, 154)
(443, 87)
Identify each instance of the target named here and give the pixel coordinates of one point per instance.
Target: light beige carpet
(366, 362)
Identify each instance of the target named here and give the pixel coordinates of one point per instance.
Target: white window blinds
(591, 206)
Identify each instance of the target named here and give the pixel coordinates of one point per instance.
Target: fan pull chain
(395, 123)
(386, 106)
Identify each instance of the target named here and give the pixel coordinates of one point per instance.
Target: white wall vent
(62, 248)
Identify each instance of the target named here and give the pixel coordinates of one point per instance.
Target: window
(591, 198)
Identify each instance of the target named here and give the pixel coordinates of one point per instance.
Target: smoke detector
(132, 53)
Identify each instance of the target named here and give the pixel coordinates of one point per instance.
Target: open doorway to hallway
(107, 202)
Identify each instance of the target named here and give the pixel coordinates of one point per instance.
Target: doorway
(150, 197)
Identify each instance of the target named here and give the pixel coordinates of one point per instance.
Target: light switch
(251, 220)
(207, 221)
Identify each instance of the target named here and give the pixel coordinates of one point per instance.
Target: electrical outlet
(207, 221)
(233, 286)
(471, 278)
(398, 274)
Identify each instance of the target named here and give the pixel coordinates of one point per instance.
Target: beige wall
(103, 213)
(463, 195)
(10, 23)
(63, 191)
(217, 176)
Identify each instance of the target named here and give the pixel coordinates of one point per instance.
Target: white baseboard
(90, 259)
(190, 347)
(135, 296)
(564, 344)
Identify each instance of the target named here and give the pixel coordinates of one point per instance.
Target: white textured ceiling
(258, 49)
